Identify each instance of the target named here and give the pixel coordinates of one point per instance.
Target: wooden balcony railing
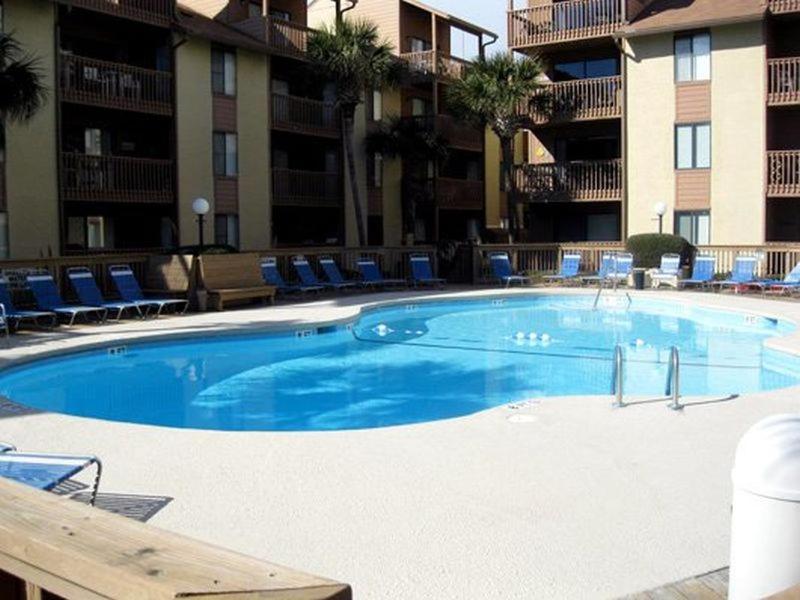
(116, 178)
(115, 85)
(566, 21)
(463, 194)
(432, 62)
(292, 187)
(154, 12)
(579, 100)
(594, 180)
(291, 113)
(783, 173)
(460, 134)
(284, 37)
(784, 81)
(784, 6)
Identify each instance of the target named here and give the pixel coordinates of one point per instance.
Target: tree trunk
(348, 125)
(507, 151)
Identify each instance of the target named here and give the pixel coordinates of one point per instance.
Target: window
(377, 105)
(376, 171)
(693, 57)
(693, 146)
(419, 45)
(280, 14)
(226, 230)
(582, 69)
(225, 154)
(694, 226)
(254, 9)
(420, 107)
(223, 72)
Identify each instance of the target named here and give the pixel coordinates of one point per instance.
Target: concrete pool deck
(558, 498)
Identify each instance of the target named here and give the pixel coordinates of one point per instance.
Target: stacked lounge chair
(786, 285)
(742, 276)
(272, 276)
(501, 267)
(615, 267)
(309, 278)
(570, 266)
(422, 273)
(47, 298)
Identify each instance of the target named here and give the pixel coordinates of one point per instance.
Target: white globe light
(200, 206)
(660, 208)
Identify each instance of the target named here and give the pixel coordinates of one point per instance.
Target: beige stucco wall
(392, 181)
(650, 127)
(254, 150)
(494, 197)
(194, 133)
(31, 148)
(738, 134)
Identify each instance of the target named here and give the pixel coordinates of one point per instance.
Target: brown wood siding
(414, 22)
(386, 15)
(693, 102)
(296, 9)
(224, 113)
(226, 195)
(693, 189)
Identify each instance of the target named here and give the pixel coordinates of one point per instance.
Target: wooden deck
(710, 586)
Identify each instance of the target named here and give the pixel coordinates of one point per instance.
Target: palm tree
(493, 93)
(352, 56)
(416, 142)
(22, 92)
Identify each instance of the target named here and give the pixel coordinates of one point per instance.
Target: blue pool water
(411, 363)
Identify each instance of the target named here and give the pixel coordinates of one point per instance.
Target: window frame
(224, 54)
(695, 216)
(693, 56)
(694, 127)
(225, 154)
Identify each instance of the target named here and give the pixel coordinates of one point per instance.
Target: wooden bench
(233, 277)
(55, 548)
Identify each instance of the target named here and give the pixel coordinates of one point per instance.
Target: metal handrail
(674, 380)
(617, 377)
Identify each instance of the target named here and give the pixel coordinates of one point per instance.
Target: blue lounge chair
(422, 273)
(47, 298)
(702, 272)
(129, 290)
(271, 275)
(570, 265)
(501, 267)
(46, 471)
(372, 276)
(668, 271)
(606, 264)
(15, 316)
(784, 286)
(621, 268)
(89, 294)
(331, 270)
(742, 275)
(308, 277)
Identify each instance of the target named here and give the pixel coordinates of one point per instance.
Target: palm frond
(22, 92)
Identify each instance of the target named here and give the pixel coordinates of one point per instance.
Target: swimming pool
(411, 363)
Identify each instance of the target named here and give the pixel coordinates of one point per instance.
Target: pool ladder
(673, 379)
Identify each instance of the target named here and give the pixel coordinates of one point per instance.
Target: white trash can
(765, 524)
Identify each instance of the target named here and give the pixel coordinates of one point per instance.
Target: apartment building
(695, 105)
(452, 196)
(154, 103)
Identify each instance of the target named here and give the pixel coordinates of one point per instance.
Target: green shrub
(647, 248)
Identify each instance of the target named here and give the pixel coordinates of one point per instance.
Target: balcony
(784, 6)
(292, 187)
(783, 173)
(116, 179)
(459, 135)
(560, 22)
(281, 36)
(588, 181)
(153, 12)
(303, 115)
(435, 63)
(115, 85)
(578, 100)
(459, 194)
(784, 81)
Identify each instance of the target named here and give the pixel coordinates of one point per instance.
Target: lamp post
(660, 209)
(200, 207)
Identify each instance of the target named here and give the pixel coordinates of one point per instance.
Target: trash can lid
(768, 458)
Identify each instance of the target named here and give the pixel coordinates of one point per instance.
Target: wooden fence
(54, 548)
